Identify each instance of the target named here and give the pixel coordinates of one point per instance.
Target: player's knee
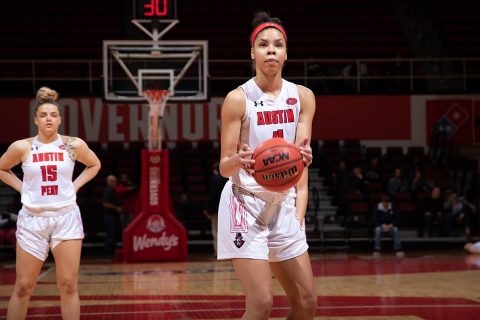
(67, 286)
(24, 288)
(309, 303)
(305, 305)
(261, 306)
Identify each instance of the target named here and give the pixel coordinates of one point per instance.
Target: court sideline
(422, 285)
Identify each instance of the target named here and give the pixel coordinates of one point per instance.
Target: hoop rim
(156, 95)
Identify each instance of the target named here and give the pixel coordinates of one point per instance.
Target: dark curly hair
(262, 17)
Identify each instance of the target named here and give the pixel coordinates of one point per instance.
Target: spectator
(399, 71)
(357, 181)
(128, 193)
(317, 74)
(386, 221)
(397, 183)
(432, 211)
(111, 215)
(457, 212)
(340, 182)
(373, 171)
(217, 182)
(419, 183)
(352, 72)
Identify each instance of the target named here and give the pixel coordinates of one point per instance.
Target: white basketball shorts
(37, 233)
(258, 226)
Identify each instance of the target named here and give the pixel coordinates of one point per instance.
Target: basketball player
(472, 247)
(263, 232)
(49, 218)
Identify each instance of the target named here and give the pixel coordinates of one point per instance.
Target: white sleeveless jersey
(264, 119)
(47, 176)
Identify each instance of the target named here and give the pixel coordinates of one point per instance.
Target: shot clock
(155, 9)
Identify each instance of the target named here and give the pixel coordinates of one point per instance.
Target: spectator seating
(342, 28)
(457, 172)
(459, 23)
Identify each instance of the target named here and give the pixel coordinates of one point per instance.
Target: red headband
(264, 26)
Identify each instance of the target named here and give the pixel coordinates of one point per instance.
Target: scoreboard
(155, 9)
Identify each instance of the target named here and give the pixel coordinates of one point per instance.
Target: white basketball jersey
(264, 119)
(47, 176)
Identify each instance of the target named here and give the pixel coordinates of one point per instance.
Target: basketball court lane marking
(286, 308)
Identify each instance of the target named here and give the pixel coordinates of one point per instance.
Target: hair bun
(45, 94)
(260, 17)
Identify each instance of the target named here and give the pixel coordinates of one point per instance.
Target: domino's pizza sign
(451, 120)
(446, 128)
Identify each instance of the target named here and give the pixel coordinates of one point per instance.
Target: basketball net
(157, 100)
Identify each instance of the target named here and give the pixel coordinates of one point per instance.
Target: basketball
(278, 164)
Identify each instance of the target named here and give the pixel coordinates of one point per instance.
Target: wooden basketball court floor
(424, 285)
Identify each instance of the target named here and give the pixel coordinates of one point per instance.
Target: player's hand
(244, 159)
(306, 152)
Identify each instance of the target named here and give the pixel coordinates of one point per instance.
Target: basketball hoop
(157, 99)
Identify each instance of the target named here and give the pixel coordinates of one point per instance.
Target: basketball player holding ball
(50, 218)
(261, 231)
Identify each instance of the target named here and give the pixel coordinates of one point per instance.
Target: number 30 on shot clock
(155, 9)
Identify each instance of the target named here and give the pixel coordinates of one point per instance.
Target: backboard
(133, 66)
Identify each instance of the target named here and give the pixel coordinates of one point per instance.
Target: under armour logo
(256, 104)
(238, 240)
(36, 148)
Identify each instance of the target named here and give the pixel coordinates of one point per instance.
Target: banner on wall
(368, 118)
(362, 118)
(96, 121)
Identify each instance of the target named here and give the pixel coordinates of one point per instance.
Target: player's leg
(290, 262)
(243, 240)
(397, 245)
(67, 263)
(378, 239)
(296, 277)
(27, 270)
(256, 280)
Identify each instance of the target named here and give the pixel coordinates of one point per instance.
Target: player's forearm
(88, 174)
(11, 179)
(228, 167)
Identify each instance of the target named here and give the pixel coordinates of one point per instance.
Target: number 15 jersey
(47, 176)
(266, 118)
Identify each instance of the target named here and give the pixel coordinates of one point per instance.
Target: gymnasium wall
(376, 120)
